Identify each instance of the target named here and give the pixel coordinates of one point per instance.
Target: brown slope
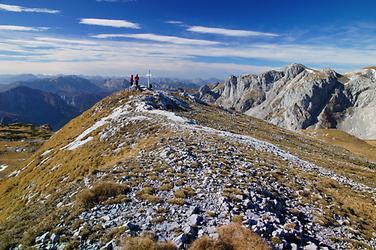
(28, 202)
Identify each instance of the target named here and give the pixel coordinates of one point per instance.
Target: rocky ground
(196, 178)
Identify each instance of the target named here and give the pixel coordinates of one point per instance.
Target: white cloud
(65, 41)
(16, 8)
(159, 38)
(168, 68)
(110, 23)
(174, 22)
(21, 28)
(69, 55)
(229, 32)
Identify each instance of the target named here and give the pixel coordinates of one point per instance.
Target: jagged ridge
(298, 98)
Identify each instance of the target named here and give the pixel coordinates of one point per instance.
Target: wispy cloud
(24, 51)
(173, 22)
(356, 35)
(16, 8)
(65, 41)
(159, 38)
(21, 28)
(110, 23)
(229, 32)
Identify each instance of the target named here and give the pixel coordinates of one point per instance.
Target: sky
(187, 39)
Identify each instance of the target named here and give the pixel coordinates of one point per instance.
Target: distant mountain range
(7, 79)
(34, 106)
(57, 99)
(298, 97)
(64, 85)
(54, 100)
(165, 83)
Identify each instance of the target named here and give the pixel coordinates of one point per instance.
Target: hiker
(131, 81)
(136, 80)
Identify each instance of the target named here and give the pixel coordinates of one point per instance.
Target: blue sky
(184, 38)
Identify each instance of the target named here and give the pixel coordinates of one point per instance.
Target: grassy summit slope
(164, 163)
(18, 142)
(347, 141)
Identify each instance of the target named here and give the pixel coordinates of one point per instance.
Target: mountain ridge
(34, 106)
(298, 97)
(188, 167)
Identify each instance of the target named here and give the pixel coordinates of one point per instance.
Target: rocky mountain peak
(293, 70)
(298, 97)
(369, 72)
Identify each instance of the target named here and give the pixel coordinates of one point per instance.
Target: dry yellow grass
(184, 193)
(24, 137)
(12, 159)
(146, 243)
(19, 131)
(340, 200)
(231, 237)
(177, 201)
(100, 192)
(373, 142)
(21, 221)
(148, 194)
(206, 243)
(347, 141)
(308, 148)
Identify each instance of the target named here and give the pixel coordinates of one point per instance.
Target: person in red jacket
(131, 81)
(136, 80)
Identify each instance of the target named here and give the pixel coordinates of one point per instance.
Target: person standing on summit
(136, 80)
(131, 81)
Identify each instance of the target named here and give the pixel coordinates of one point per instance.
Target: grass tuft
(231, 237)
(146, 243)
(101, 192)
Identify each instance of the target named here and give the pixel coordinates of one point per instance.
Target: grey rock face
(247, 91)
(298, 98)
(360, 118)
(206, 94)
(296, 101)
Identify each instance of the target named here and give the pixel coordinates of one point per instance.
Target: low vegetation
(347, 141)
(166, 187)
(148, 194)
(100, 192)
(177, 201)
(19, 131)
(147, 243)
(18, 142)
(65, 171)
(184, 192)
(231, 237)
